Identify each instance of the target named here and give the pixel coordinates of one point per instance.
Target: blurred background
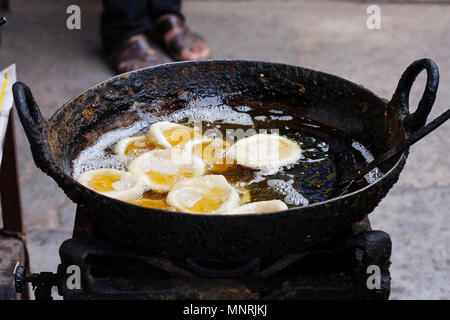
(329, 36)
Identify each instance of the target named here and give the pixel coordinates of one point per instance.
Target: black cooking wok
(378, 124)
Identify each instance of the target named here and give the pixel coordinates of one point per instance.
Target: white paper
(7, 79)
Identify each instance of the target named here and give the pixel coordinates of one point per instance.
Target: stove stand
(337, 270)
(330, 271)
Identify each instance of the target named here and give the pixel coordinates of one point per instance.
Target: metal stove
(337, 270)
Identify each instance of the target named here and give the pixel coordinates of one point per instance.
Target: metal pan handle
(33, 123)
(416, 120)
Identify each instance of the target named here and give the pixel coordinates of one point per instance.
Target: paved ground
(325, 35)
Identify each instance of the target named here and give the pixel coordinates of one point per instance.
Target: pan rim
(200, 62)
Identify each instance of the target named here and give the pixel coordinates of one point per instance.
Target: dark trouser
(122, 19)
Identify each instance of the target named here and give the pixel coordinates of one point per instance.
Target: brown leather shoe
(134, 53)
(178, 40)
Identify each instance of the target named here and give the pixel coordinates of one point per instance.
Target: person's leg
(124, 25)
(121, 20)
(169, 28)
(158, 8)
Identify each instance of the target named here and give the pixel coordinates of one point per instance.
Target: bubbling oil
(310, 180)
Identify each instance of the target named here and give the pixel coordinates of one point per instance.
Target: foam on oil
(98, 155)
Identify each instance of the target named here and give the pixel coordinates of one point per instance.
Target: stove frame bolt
(42, 283)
